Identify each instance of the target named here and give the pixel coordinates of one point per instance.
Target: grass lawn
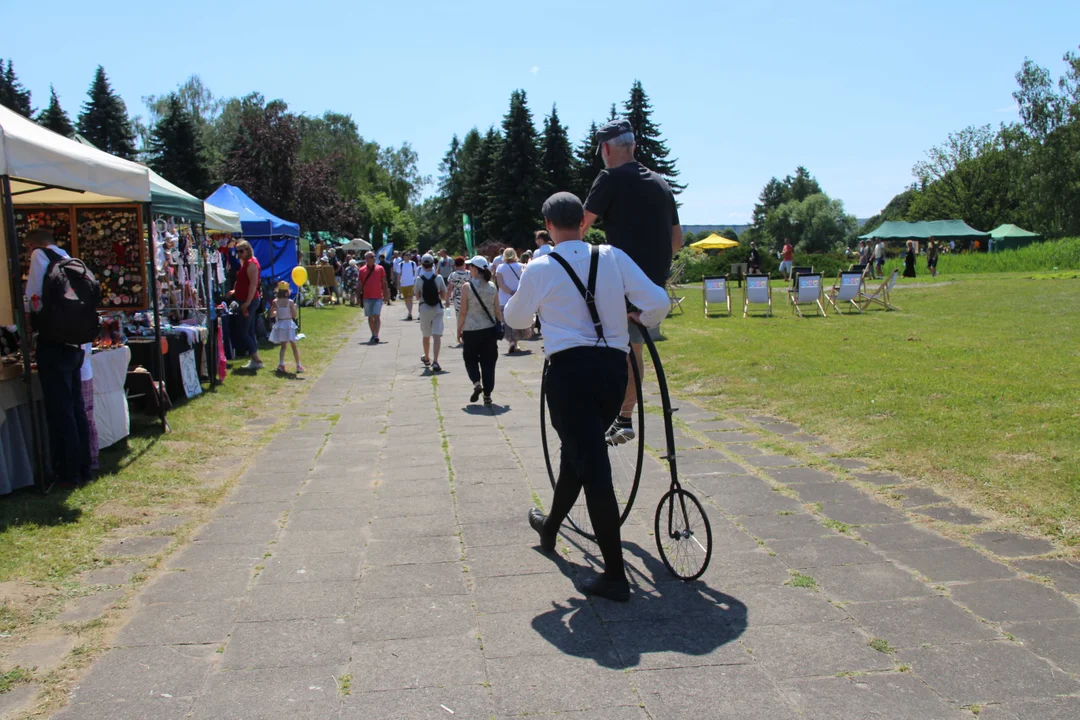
(974, 386)
(53, 537)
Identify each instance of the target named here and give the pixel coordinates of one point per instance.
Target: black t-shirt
(638, 210)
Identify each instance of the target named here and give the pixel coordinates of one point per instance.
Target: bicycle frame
(665, 400)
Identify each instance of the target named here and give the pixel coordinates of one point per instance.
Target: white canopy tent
(221, 220)
(356, 245)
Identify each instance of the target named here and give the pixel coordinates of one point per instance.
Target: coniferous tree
(513, 191)
(175, 149)
(587, 163)
(12, 94)
(478, 159)
(448, 205)
(54, 117)
(652, 151)
(104, 120)
(556, 157)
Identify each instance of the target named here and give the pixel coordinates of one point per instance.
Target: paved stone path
(381, 567)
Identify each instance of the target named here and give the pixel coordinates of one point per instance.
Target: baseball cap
(427, 260)
(611, 130)
(480, 261)
(564, 210)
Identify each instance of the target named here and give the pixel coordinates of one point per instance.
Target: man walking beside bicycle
(641, 219)
(580, 293)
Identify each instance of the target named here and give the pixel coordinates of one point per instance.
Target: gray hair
(626, 140)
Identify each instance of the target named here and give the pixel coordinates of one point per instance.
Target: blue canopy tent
(272, 239)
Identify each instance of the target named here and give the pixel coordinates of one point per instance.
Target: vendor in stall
(60, 371)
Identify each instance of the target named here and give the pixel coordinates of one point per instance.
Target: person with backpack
(580, 291)
(431, 289)
(62, 296)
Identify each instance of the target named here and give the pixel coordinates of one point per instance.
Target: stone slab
(1012, 545)
(790, 651)
(118, 574)
(289, 643)
(830, 492)
(1056, 640)
(952, 514)
(893, 538)
(989, 672)
(180, 623)
(863, 512)
(763, 502)
(197, 585)
(20, 697)
(913, 496)
(955, 564)
(129, 674)
(848, 463)
(299, 601)
(301, 693)
(799, 475)
(1052, 709)
(393, 581)
(1065, 575)
(739, 692)
(89, 607)
(461, 702)
(713, 426)
(784, 527)
(674, 643)
(41, 653)
(403, 550)
(418, 662)
(911, 623)
(771, 461)
(869, 582)
(557, 683)
(731, 436)
(820, 552)
(134, 547)
(881, 479)
(414, 617)
(327, 567)
(1015, 600)
(890, 696)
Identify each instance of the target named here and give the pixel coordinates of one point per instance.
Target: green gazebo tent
(1011, 237)
(924, 230)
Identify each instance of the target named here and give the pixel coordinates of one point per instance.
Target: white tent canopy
(356, 245)
(221, 220)
(75, 174)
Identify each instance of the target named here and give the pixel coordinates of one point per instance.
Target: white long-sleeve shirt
(547, 290)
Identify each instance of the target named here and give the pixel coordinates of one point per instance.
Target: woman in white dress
(508, 277)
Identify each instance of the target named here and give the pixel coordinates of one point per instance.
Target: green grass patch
(881, 645)
(11, 678)
(52, 537)
(345, 684)
(972, 387)
(800, 580)
(1055, 255)
(840, 527)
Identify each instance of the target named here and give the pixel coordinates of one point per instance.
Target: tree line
(317, 171)
(501, 176)
(1026, 172)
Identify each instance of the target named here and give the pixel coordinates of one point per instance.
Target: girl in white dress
(283, 312)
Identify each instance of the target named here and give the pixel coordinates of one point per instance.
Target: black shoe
(617, 590)
(435, 367)
(475, 393)
(536, 520)
(425, 360)
(487, 400)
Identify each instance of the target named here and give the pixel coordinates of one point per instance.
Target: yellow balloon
(299, 275)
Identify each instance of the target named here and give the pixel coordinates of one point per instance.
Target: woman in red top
(246, 292)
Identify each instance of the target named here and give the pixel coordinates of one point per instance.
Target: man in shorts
(787, 257)
(641, 219)
(879, 259)
(406, 279)
(431, 289)
(373, 290)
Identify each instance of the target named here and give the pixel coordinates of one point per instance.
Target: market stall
(71, 188)
(274, 240)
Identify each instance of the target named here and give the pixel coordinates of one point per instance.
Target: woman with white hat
(479, 328)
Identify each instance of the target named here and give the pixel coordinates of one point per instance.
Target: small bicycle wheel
(683, 534)
(626, 460)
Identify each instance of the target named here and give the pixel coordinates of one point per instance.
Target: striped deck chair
(880, 295)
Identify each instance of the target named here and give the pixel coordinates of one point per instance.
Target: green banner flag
(466, 225)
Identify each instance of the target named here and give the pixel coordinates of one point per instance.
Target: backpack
(70, 295)
(429, 291)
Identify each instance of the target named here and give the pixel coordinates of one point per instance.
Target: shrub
(1061, 254)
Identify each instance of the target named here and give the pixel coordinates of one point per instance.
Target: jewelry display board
(109, 240)
(58, 219)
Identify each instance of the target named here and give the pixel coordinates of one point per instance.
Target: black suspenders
(589, 293)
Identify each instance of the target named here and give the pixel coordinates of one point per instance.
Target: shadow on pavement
(664, 615)
(485, 409)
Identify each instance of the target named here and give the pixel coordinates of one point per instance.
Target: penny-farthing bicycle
(682, 530)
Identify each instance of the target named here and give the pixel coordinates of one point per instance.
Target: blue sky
(854, 91)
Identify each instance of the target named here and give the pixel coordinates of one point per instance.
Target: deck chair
(807, 292)
(674, 278)
(859, 268)
(738, 272)
(716, 292)
(757, 291)
(847, 288)
(880, 295)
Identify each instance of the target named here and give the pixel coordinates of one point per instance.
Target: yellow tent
(715, 242)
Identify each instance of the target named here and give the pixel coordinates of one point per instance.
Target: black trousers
(585, 388)
(480, 351)
(59, 369)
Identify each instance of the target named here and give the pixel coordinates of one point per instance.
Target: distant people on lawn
(753, 260)
(787, 257)
(879, 259)
(931, 257)
(909, 260)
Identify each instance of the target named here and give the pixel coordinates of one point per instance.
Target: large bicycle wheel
(626, 459)
(683, 534)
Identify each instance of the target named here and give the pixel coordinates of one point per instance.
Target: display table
(144, 351)
(16, 438)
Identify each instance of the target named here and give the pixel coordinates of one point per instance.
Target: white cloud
(535, 69)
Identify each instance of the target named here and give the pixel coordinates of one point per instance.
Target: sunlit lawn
(50, 538)
(974, 385)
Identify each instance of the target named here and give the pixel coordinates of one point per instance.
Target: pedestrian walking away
(879, 260)
(580, 292)
(374, 289)
(283, 312)
(431, 289)
(406, 281)
(457, 281)
(932, 257)
(909, 260)
(478, 324)
(507, 277)
(445, 265)
(640, 218)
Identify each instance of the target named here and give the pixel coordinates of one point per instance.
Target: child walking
(283, 312)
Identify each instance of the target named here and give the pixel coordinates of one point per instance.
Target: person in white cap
(580, 292)
(477, 328)
(431, 289)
